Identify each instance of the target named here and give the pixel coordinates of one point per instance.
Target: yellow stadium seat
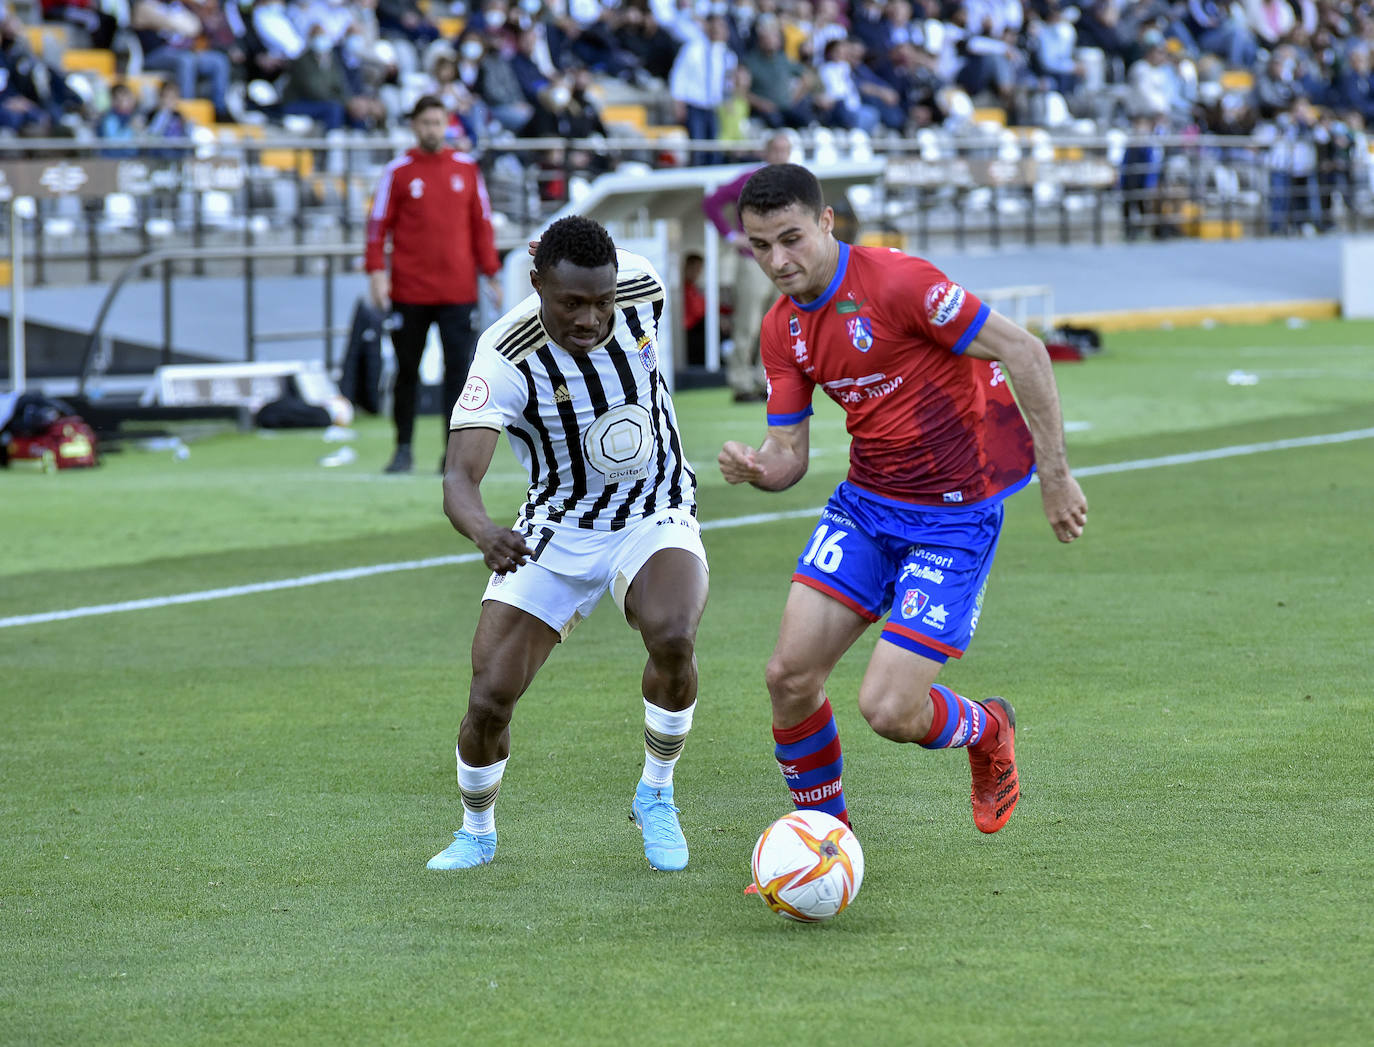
(450, 26)
(882, 238)
(145, 87)
(89, 60)
(1237, 80)
(289, 160)
(631, 114)
(664, 131)
(990, 115)
(6, 272)
(199, 111)
(49, 35)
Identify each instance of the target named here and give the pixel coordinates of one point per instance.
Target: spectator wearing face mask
(317, 87)
(566, 111)
(496, 83)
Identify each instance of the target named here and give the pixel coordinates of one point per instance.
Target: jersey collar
(840, 267)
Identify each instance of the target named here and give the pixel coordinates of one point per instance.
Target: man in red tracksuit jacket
(432, 206)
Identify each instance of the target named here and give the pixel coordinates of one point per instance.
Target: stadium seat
(301, 161)
(217, 208)
(631, 115)
(1237, 80)
(199, 111)
(990, 115)
(121, 211)
(450, 26)
(145, 87)
(48, 40)
(89, 60)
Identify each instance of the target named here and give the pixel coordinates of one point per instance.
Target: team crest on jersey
(417, 188)
(648, 357)
(861, 333)
(913, 603)
(457, 182)
(794, 326)
(474, 395)
(943, 302)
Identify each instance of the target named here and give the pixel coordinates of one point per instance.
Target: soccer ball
(808, 866)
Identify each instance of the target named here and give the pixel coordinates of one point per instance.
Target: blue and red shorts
(927, 566)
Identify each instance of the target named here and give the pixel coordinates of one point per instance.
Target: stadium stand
(1217, 119)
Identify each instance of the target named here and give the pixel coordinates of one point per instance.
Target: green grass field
(214, 815)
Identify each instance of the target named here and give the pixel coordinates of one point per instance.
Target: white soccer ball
(808, 866)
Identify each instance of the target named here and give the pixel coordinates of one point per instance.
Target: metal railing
(987, 188)
(96, 357)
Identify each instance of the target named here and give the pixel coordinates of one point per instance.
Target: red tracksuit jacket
(434, 209)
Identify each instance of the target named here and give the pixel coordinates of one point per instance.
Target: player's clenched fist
(738, 463)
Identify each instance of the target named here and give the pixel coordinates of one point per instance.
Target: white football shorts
(576, 566)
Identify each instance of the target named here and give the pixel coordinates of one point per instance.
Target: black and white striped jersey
(597, 432)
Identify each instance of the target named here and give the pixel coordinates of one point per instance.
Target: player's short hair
(777, 186)
(582, 241)
(424, 103)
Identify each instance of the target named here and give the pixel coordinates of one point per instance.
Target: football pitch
(226, 754)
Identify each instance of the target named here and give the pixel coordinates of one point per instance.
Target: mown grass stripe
(352, 573)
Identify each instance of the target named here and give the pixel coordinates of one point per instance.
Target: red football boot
(996, 786)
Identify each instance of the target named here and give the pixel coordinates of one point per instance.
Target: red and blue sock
(812, 764)
(957, 721)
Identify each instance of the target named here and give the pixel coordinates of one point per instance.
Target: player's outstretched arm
(468, 458)
(775, 466)
(1026, 363)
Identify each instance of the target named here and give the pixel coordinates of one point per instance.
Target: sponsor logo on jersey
(923, 571)
(861, 333)
(848, 305)
(936, 616)
(417, 188)
(799, 349)
(977, 607)
(474, 395)
(938, 559)
(648, 358)
(943, 302)
(793, 326)
(561, 395)
(953, 496)
(913, 603)
(457, 182)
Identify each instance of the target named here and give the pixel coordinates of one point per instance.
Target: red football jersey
(886, 341)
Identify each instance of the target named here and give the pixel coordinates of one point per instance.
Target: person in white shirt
(700, 80)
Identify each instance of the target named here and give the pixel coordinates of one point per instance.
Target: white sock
(479, 786)
(665, 733)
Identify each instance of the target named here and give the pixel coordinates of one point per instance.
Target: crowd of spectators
(523, 68)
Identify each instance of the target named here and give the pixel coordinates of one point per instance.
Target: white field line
(351, 573)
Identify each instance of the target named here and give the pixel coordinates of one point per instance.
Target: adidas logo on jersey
(561, 395)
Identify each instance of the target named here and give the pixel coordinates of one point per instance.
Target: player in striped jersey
(921, 368)
(571, 374)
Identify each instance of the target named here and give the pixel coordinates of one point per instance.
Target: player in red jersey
(921, 368)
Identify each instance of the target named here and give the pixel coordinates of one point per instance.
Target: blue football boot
(654, 813)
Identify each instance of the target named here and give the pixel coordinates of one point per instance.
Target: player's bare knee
(890, 718)
(489, 710)
(672, 651)
(789, 687)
